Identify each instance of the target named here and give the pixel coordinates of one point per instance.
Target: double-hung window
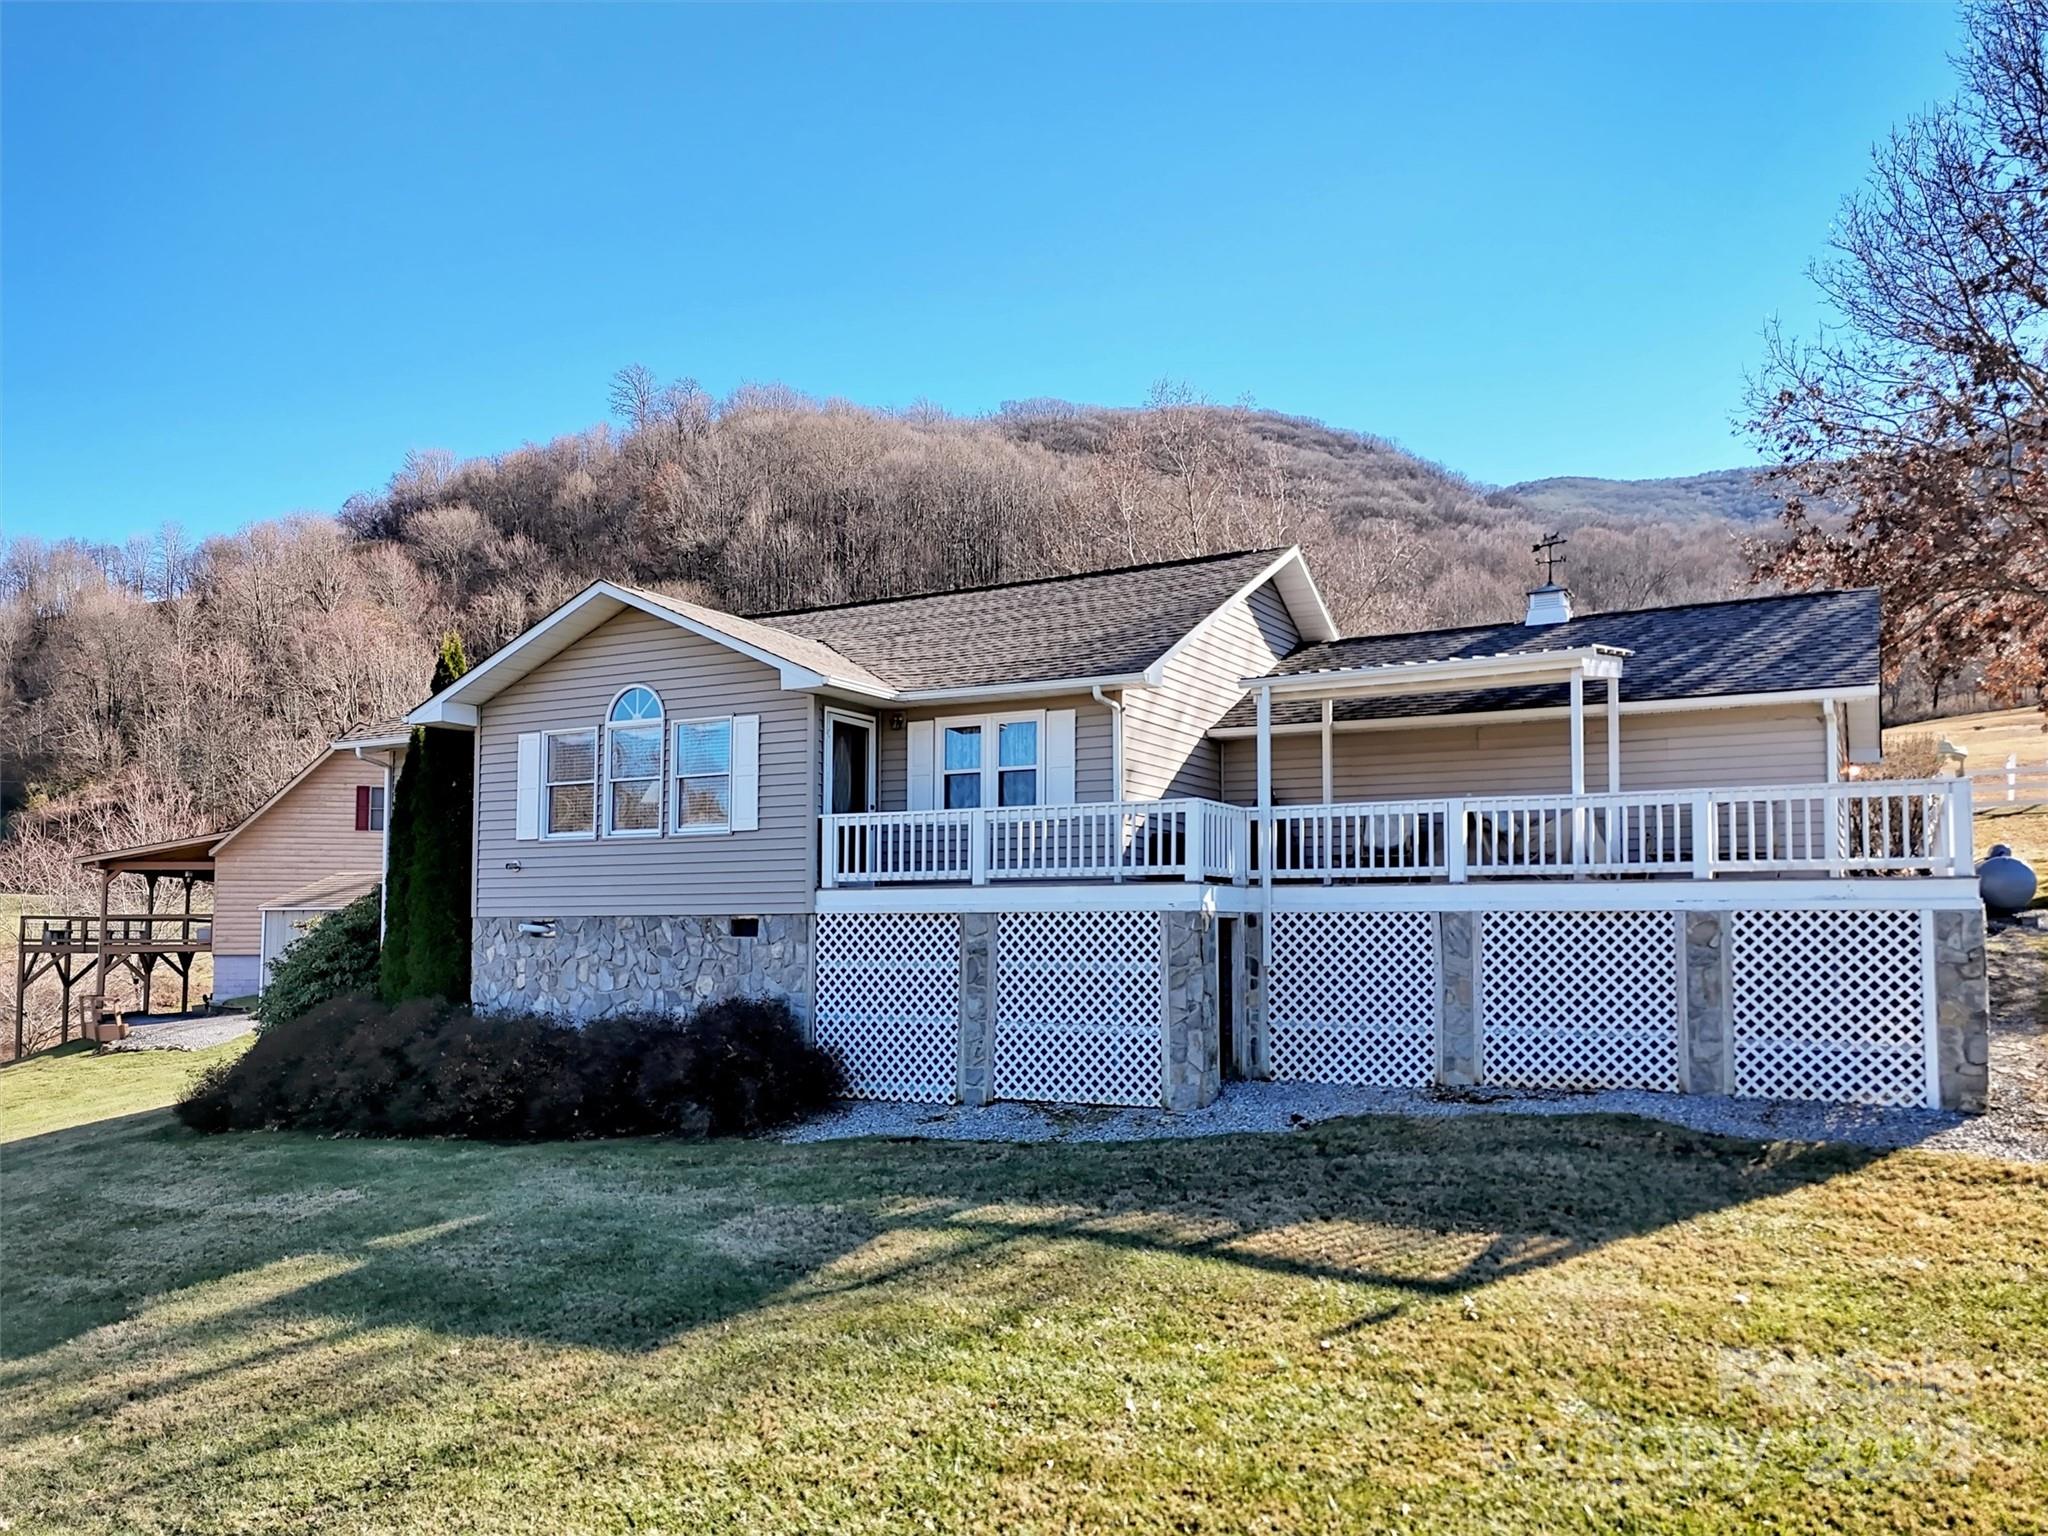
(632, 768)
(569, 780)
(1017, 762)
(961, 771)
(992, 760)
(704, 775)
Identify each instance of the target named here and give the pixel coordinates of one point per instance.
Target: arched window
(632, 764)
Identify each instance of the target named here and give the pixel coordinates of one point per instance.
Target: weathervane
(1546, 553)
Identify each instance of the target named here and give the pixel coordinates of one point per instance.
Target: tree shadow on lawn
(624, 1246)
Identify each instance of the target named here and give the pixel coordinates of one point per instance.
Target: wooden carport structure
(88, 950)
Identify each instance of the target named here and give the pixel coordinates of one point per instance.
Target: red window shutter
(362, 807)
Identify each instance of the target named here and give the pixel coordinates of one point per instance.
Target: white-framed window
(569, 783)
(960, 765)
(703, 775)
(1019, 745)
(996, 760)
(632, 764)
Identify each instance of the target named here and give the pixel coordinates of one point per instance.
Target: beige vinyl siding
(1687, 749)
(309, 833)
(1167, 752)
(710, 874)
(1094, 745)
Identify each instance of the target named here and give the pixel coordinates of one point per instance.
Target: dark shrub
(425, 1068)
(745, 1069)
(338, 957)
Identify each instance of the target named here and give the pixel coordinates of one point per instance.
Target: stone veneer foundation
(596, 967)
(599, 967)
(1962, 1010)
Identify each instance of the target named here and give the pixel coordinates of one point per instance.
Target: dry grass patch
(1463, 1325)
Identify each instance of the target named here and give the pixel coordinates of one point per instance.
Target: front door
(849, 764)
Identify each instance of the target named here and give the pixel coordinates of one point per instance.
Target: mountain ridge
(1741, 495)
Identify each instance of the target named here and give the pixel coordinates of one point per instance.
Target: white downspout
(1116, 742)
(384, 838)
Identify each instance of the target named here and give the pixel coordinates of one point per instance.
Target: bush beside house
(337, 958)
(352, 1066)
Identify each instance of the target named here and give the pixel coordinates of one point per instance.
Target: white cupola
(1549, 603)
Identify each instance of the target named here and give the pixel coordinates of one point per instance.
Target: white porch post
(1578, 696)
(1329, 779)
(1831, 714)
(1265, 762)
(1614, 735)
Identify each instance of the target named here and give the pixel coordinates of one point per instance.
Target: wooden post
(185, 934)
(99, 979)
(21, 991)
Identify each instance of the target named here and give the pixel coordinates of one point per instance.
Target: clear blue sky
(249, 257)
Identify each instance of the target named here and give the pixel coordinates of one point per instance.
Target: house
(1113, 837)
(312, 847)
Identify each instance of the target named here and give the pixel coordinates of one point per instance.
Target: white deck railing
(1134, 839)
(1900, 826)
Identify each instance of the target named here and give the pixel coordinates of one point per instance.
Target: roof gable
(1105, 627)
(798, 661)
(305, 773)
(1096, 627)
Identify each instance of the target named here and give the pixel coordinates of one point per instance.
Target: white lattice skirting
(1832, 1005)
(888, 1002)
(1579, 999)
(1080, 1005)
(1354, 998)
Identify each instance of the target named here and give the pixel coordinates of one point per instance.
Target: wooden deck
(89, 950)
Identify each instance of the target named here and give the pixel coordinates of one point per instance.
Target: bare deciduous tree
(1924, 407)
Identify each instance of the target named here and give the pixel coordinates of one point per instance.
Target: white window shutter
(922, 791)
(1059, 757)
(526, 818)
(746, 773)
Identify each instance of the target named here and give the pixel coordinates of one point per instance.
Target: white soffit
(1453, 674)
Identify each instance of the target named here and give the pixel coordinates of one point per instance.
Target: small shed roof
(327, 895)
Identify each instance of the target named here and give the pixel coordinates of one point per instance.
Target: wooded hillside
(155, 688)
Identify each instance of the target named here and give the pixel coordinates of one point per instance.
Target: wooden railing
(1873, 827)
(1182, 839)
(155, 931)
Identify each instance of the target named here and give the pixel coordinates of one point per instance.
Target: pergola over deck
(81, 949)
(1574, 668)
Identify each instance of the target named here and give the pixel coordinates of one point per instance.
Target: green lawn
(1471, 1325)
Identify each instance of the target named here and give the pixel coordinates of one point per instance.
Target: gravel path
(2016, 1128)
(196, 1033)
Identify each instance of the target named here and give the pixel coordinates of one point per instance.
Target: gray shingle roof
(1745, 645)
(778, 640)
(374, 730)
(1101, 624)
